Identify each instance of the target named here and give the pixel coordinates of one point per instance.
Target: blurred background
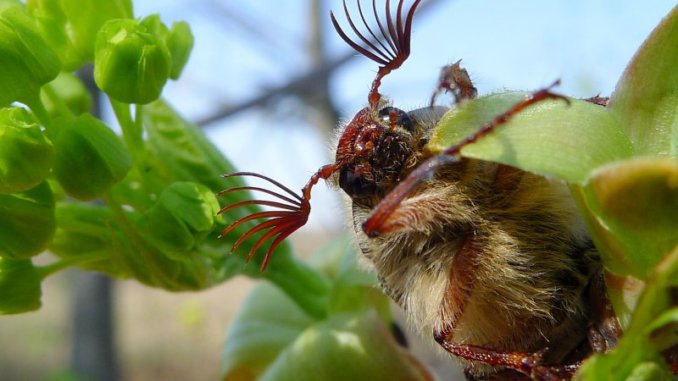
(269, 83)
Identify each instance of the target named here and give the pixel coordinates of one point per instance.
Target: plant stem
(306, 286)
(132, 133)
(57, 101)
(40, 112)
(62, 264)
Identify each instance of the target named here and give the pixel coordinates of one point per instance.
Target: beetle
(495, 261)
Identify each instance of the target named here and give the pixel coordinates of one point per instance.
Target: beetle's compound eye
(402, 119)
(355, 185)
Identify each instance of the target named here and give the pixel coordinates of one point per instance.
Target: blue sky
(516, 45)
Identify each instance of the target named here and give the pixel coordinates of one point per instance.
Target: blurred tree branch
(312, 86)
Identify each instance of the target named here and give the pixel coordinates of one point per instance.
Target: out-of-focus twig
(304, 86)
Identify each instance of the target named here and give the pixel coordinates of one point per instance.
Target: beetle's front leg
(455, 79)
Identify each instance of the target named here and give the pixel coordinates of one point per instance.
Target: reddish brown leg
(528, 364)
(604, 330)
(374, 225)
(455, 79)
(671, 357)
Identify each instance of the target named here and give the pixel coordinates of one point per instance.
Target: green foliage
(153, 210)
(547, 138)
(272, 338)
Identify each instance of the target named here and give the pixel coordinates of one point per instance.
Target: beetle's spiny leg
(535, 97)
(454, 79)
(375, 222)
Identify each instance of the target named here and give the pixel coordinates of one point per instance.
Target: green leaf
(550, 138)
(650, 371)
(622, 362)
(267, 322)
(646, 97)
(273, 339)
(635, 204)
(25, 153)
(624, 292)
(26, 222)
(346, 347)
(90, 158)
(667, 317)
(177, 150)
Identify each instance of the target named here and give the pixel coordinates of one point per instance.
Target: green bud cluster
(134, 59)
(140, 204)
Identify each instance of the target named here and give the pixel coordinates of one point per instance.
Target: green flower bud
(179, 41)
(66, 90)
(25, 153)
(131, 64)
(19, 286)
(90, 158)
(26, 222)
(86, 17)
(180, 44)
(152, 24)
(26, 60)
(183, 214)
(55, 29)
